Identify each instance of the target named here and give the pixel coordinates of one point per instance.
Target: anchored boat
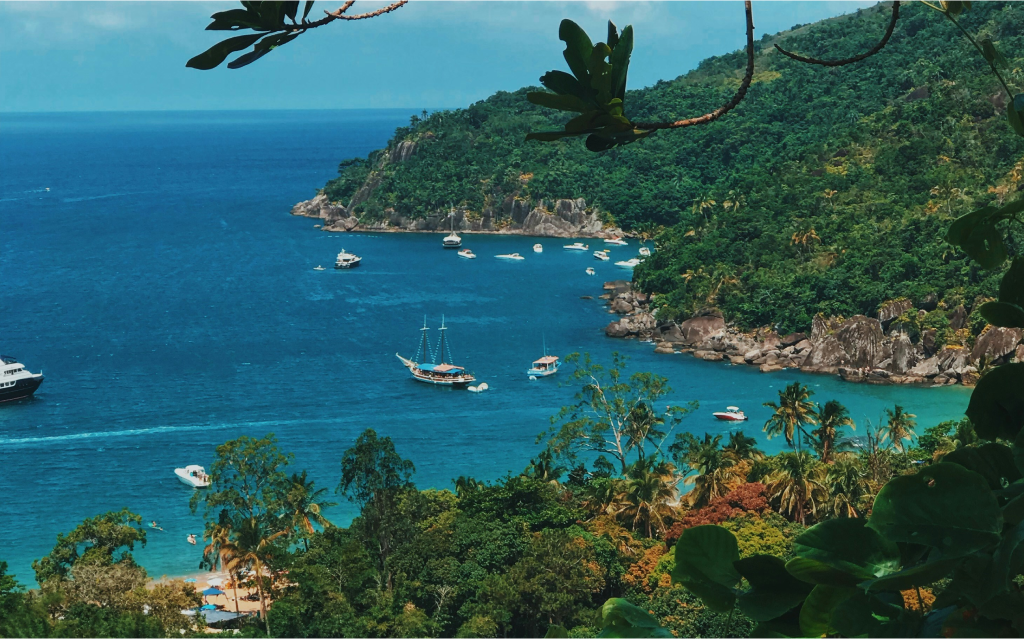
(576, 246)
(731, 414)
(194, 476)
(601, 255)
(452, 240)
(443, 374)
(347, 260)
(15, 381)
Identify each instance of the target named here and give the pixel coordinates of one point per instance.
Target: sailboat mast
(424, 344)
(441, 346)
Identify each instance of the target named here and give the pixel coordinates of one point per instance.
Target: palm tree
(650, 487)
(831, 418)
(545, 468)
(251, 547)
(741, 447)
(794, 410)
(900, 427)
(847, 487)
(603, 496)
(218, 553)
(642, 425)
(305, 503)
(714, 468)
(796, 486)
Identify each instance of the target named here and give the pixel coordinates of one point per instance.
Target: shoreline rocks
(857, 349)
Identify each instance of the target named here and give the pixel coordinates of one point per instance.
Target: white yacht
(510, 256)
(646, 252)
(631, 263)
(347, 260)
(538, 248)
(601, 255)
(591, 271)
(576, 246)
(194, 476)
(15, 381)
(452, 240)
(468, 254)
(616, 241)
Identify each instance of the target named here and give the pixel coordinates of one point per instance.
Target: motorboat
(616, 241)
(731, 414)
(538, 248)
(347, 260)
(576, 246)
(478, 389)
(601, 255)
(193, 475)
(15, 381)
(646, 252)
(468, 254)
(441, 374)
(510, 256)
(591, 271)
(452, 240)
(630, 263)
(545, 366)
(319, 268)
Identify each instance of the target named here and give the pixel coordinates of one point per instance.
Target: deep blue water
(171, 302)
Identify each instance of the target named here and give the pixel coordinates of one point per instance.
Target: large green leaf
(997, 403)
(620, 63)
(944, 506)
(1003, 314)
(1014, 112)
(600, 72)
(992, 54)
(556, 632)
(815, 572)
(773, 591)
(565, 84)
(215, 55)
(849, 546)
(816, 613)
(622, 619)
(577, 49)
(261, 49)
(985, 245)
(560, 102)
(704, 565)
(1011, 288)
(306, 8)
(234, 19)
(920, 575)
(992, 461)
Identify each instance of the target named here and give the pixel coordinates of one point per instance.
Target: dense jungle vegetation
(824, 191)
(544, 547)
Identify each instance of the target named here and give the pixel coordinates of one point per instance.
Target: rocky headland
(513, 214)
(858, 349)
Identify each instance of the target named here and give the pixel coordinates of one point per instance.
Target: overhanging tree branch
(857, 58)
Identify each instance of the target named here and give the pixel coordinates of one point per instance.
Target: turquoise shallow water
(171, 301)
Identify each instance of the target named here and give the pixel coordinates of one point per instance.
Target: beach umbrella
(212, 591)
(215, 581)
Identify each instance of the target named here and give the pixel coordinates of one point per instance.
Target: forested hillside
(825, 190)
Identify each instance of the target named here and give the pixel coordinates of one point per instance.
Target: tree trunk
(263, 600)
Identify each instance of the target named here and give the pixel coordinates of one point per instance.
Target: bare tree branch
(857, 58)
(339, 14)
(728, 106)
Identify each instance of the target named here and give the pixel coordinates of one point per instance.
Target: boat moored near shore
(576, 246)
(15, 381)
(442, 374)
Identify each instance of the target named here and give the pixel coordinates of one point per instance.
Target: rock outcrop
(996, 345)
(861, 338)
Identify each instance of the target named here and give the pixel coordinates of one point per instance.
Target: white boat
(576, 246)
(443, 374)
(731, 414)
(617, 241)
(468, 254)
(347, 260)
(646, 252)
(319, 268)
(591, 271)
(194, 476)
(452, 240)
(15, 381)
(630, 263)
(547, 365)
(601, 255)
(510, 256)
(538, 248)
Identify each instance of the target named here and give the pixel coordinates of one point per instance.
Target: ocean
(150, 267)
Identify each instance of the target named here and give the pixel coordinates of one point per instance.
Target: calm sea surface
(170, 300)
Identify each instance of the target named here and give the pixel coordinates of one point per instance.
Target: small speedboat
(538, 248)
(646, 252)
(617, 241)
(731, 414)
(631, 263)
(194, 476)
(347, 260)
(510, 256)
(319, 268)
(576, 246)
(601, 255)
(468, 254)
(591, 271)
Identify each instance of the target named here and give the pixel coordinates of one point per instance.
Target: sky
(130, 56)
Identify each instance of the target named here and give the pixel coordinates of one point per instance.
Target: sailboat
(545, 366)
(443, 374)
(453, 240)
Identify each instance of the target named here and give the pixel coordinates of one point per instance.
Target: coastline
(860, 349)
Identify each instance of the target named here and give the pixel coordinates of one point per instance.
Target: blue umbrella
(213, 591)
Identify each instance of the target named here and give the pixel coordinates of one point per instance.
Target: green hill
(826, 190)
